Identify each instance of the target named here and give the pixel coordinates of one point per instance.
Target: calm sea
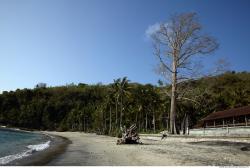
(15, 144)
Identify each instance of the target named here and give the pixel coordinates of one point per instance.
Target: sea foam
(31, 149)
(39, 147)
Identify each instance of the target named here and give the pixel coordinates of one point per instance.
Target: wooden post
(214, 123)
(223, 122)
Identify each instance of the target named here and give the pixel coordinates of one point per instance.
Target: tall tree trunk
(146, 124)
(110, 120)
(139, 121)
(187, 124)
(105, 121)
(183, 124)
(173, 97)
(167, 120)
(121, 113)
(154, 120)
(136, 117)
(84, 125)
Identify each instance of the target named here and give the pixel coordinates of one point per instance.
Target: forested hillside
(104, 108)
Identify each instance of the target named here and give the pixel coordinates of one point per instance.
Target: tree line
(105, 108)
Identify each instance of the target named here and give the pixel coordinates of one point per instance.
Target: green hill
(99, 107)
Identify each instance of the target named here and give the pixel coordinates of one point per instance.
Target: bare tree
(175, 43)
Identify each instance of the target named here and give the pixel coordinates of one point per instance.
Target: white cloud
(152, 29)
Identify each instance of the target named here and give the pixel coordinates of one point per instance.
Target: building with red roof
(227, 118)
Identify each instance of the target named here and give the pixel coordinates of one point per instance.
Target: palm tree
(109, 103)
(115, 89)
(123, 92)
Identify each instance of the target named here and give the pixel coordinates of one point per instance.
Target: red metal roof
(228, 113)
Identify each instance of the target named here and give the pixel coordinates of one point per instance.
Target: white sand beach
(91, 149)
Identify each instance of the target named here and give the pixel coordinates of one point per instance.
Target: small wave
(10, 158)
(39, 147)
(32, 148)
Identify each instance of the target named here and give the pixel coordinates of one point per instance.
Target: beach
(91, 150)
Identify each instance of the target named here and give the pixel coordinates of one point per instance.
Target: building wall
(226, 131)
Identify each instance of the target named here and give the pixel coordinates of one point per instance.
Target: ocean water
(16, 144)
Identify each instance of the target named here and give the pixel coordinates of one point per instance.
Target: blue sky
(90, 41)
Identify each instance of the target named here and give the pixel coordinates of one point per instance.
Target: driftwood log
(129, 136)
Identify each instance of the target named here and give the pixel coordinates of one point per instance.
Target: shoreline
(89, 149)
(57, 146)
(98, 150)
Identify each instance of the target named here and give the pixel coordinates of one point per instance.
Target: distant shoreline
(18, 128)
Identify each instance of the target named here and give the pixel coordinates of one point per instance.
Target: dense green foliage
(104, 108)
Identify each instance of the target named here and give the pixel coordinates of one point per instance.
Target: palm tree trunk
(105, 121)
(139, 121)
(110, 120)
(154, 120)
(187, 125)
(183, 124)
(136, 117)
(121, 114)
(116, 112)
(84, 128)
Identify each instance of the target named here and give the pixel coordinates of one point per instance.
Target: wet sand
(58, 146)
(91, 149)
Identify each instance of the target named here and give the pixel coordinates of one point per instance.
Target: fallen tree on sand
(129, 136)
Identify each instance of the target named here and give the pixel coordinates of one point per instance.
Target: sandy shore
(91, 149)
(58, 146)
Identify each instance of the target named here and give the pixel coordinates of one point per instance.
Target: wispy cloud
(152, 29)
